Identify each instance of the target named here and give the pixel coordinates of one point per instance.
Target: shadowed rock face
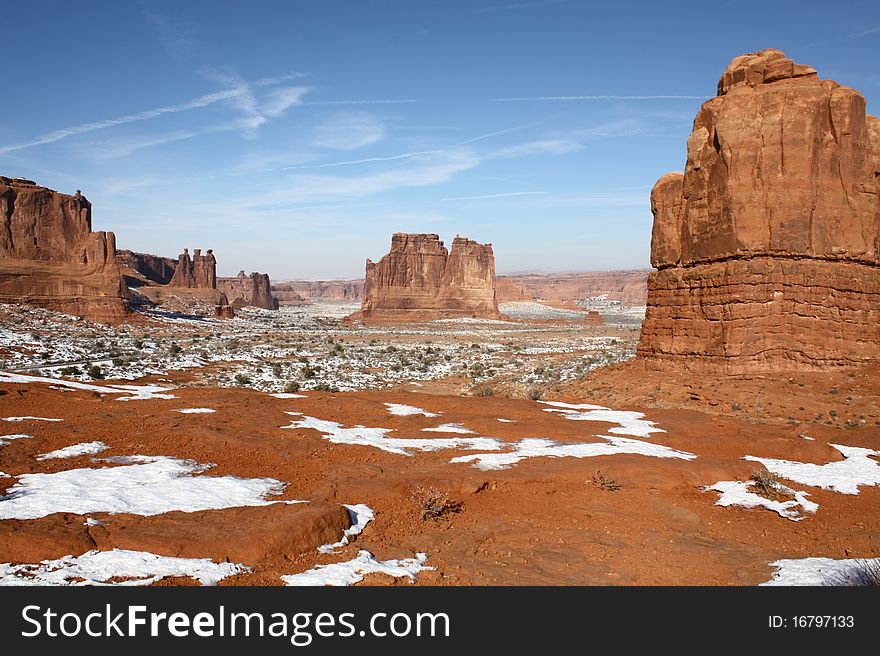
(50, 257)
(767, 246)
(420, 280)
(152, 268)
(254, 290)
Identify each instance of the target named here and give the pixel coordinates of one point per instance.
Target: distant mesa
(420, 280)
(297, 292)
(50, 257)
(767, 246)
(630, 288)
(254, 290)
(593, 318)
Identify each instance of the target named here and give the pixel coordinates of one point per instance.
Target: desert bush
(605, 483)
(535, 394)
(241, 379)
(276, 370)
(768, 485)
(865, 573)
(484, 391)
(292, 387)
(434, 504)
(94, 371)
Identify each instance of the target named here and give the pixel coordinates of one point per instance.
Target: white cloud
(540, 147)
(597, 97)
(503, 195)
(349, 130)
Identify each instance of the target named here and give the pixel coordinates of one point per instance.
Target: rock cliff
(254, 290)
(50, 257)
(420, 280)
(766, 247)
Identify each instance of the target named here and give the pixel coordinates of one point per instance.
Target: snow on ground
(131, 392)
(507, 421)
(19, 419)
(99, 567)
(629, 422)
(533, 447)
(361, 515)
(449, 428)
(288, 395)
(739, 493)
(196, 411)
(143, 485)
(843, 476)
(376, 437)
(505, 454)
(820, 571)
(4, 439)
(353, 571)
(402, 410)
(84, 449)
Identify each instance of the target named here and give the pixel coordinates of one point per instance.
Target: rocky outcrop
(50, 257)
(192, 287)
(199, 272)
(628, 287)
(144, 268)
(254, 290)
(593, 318)
(420, 280)
(767, 248)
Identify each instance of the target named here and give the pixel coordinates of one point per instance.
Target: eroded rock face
(768, 246)
(152, 268)
(200, 272)
(254, 290)
(50, 257)
(420, 280)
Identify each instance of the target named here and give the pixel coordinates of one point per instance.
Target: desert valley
(713, 420)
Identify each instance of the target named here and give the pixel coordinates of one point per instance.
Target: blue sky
(293, 137)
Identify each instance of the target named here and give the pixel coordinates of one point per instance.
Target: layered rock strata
(50, 257)
(767, 247)
(254, 290)
(420, 280)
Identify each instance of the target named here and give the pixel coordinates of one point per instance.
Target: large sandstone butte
(50, 257)
(766, 248)
(254, 290)
(420, 280)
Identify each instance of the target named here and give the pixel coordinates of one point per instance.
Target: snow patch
(84, 449)
(818, 571)
(353, 571)
(98, 567)
(739, 493)
(506, 421)
(18, 419)
(146, 485)
(628, 422)
(361, 515)
(132, 392)
(376, 437)
(533, 447)
(843, 476)
(288, 395)
(449, 428)
(195, 411)
(4, 439)
(402, 410)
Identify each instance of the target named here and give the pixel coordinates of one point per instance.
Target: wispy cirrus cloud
(539, 147)
(488, 196)
(114, 148)
(348, 131)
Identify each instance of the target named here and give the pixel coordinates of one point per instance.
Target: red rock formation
(628, 287)
(146, 268)
(50, 257)
(254, 290)
(420, 280)
(593, 318)
(768, 246)
(199, 273)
